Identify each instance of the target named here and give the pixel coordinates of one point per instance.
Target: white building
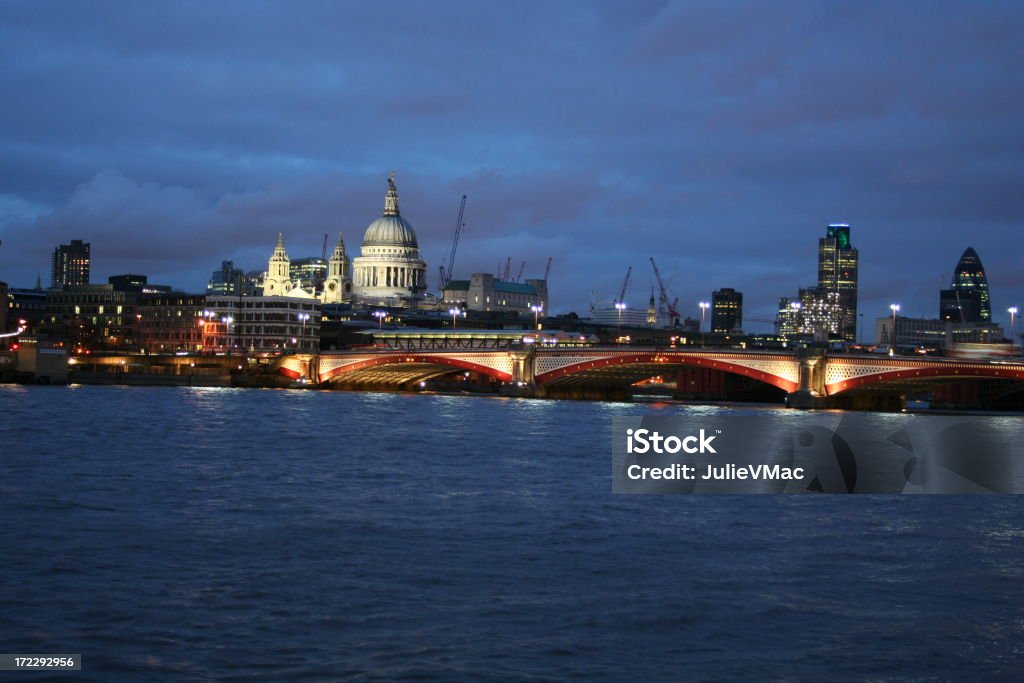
(278, 280)
(389, 271)
(262, 323)
(338, 286)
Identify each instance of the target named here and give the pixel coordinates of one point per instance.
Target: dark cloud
(719, 138)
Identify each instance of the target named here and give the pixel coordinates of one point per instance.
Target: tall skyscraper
(726, 310)
(837, 272)
(70, 265)
(967, 300)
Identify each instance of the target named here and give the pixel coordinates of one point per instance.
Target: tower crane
(547, 270)
(665, 307)
(446, 275)
(520, 273)
(621, 298)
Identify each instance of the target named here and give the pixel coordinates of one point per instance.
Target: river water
(226, 534)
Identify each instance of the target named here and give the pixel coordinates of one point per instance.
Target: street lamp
(227, 320)
(303, 317)
(536, 308)
(455, 312)
(620, 306)
(704, 306)
(1012, 310)
(380, 315)
(895, 308)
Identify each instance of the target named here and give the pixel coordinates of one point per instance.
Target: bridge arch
(615, 368)
(407, 367)
(941, 372)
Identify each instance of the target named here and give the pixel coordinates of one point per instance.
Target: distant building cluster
(965, 314)
(829, 310)
(264, 311)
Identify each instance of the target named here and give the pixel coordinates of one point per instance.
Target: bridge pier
(811, 393)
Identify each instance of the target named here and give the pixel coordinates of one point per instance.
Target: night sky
(719, 137)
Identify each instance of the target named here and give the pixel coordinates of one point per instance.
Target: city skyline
(642, 136)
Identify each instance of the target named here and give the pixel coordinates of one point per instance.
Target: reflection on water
(171, 533)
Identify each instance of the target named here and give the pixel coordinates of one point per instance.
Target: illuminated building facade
(94, 316)
(261, 324)
(308, 274)
(837, 273)
(389, 271)
(338, 287)
(169, 323)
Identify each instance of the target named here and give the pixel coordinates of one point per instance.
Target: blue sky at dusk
(720, 138)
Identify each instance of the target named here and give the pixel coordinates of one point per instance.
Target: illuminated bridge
(563, 366)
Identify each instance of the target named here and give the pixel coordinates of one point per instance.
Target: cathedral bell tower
(338, 287)
(278, 282)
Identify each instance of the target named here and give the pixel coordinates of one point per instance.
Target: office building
(485, 292)
(726, 311)
(934, 334)
(171, 322)
(261, 324)
(70, 265)
(227, 280)
(4, 304)
(837, 272)
(308, 274)
(967, 299)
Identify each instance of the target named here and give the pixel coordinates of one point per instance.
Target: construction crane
(446, 275)
(508, 267)
(520, 273)
(666, 309)
(621, 298)
(547, 270)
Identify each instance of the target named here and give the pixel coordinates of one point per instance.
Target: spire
(391, 200)
(339, 248)
(279, 252)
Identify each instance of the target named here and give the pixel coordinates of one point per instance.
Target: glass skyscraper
(837, 273)
(967, 300)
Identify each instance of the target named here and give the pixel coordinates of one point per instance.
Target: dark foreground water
(217, 534)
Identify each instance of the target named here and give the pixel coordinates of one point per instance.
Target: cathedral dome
(391, 229)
